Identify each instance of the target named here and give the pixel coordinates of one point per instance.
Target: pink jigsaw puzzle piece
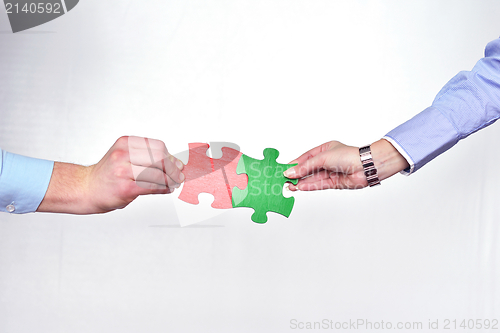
(215, 176)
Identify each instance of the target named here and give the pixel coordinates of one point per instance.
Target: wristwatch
(370, 171)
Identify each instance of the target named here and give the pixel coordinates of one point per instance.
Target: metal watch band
(371, 173)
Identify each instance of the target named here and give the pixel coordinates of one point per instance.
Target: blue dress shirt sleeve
(23, 182)
(467, 103)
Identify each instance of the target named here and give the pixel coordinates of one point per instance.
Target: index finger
(315, 151)
(309, 166)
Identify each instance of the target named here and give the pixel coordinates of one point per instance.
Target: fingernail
(290, 173)
(179, 164)
(181, 177)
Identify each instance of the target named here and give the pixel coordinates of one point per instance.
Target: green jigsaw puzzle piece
(264, 192)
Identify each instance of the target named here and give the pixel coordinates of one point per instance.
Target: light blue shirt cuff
(23, 182)
(423, 137)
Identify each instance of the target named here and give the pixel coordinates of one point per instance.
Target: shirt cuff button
(10, 208)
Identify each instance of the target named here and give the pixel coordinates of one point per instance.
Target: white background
(284, 74)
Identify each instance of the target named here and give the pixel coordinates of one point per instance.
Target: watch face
(369, 173)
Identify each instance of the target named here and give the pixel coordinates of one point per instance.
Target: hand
(133, 166)
(334, 165)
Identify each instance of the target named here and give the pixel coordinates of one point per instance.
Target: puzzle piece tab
(215, 176)
(264, 192)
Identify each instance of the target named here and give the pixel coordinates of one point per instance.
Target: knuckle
(332, 144)
(122, 172)
(118, 154)
(123, 140)
(157, 144)
(159, 155)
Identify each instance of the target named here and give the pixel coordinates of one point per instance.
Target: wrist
(388, 161)
(369, 169)
(68, 190)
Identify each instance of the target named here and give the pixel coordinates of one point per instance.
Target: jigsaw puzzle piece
(264, 192)
(214, 176)
(198, 166)
(215, 150)
(188, 214)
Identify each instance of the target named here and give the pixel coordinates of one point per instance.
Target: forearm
(466, 104)
(68, 190)
(133, 166)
